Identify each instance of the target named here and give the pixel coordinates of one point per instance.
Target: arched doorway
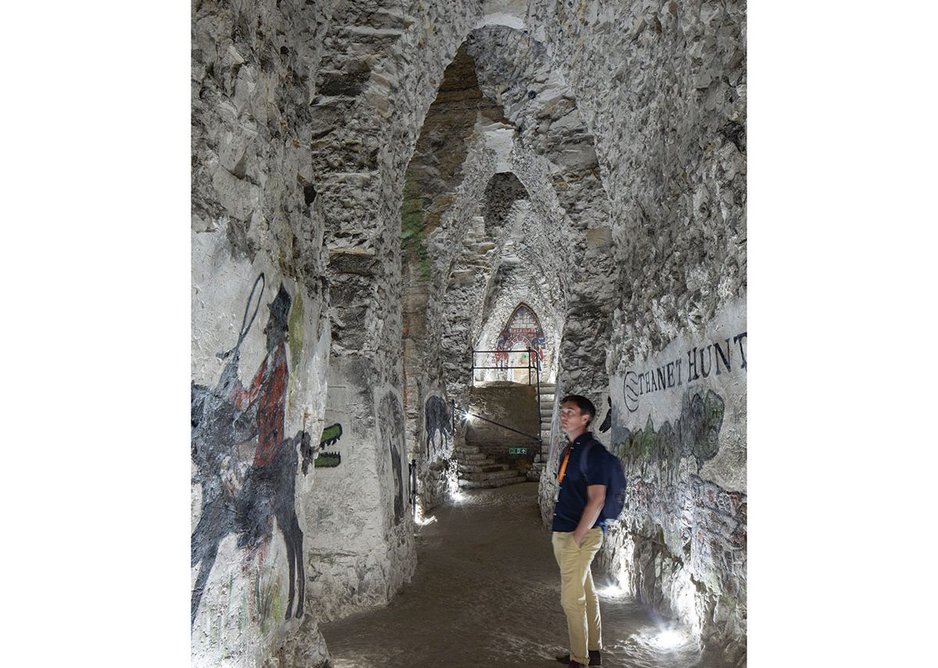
(520, 334)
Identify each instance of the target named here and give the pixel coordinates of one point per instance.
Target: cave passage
(486, 592)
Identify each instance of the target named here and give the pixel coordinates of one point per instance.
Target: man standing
(578, 530)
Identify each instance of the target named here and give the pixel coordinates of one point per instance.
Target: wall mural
(246, 502)
(522, 331)
(330, 436)
(439, 427)
(696, 433)
(392, 426)
(607, 423)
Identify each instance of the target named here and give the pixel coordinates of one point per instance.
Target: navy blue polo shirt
(572, 496)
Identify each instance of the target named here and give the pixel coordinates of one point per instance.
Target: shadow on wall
(393, 426)
(245, 502)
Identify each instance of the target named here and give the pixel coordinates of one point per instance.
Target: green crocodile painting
(330, 436)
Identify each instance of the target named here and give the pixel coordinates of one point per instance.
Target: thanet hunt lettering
(717, 358)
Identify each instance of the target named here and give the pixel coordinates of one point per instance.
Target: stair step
(494, 475)
(482, 468)
(466, 484)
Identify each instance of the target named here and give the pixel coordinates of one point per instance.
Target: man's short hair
(584, 404)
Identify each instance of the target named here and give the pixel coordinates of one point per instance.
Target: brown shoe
(595, 659)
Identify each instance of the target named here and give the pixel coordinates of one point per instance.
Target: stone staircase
(548, 396)
(476, 470)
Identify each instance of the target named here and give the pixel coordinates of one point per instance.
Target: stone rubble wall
(661, 85)
(510, 405)
(681, 434)
(254, 212)
(382, 65)
(530, 282)
(624, 126)
(448, 155)
(557, 149)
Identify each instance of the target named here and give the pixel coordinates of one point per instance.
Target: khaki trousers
(577, 594)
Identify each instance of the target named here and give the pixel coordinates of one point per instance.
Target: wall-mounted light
(464, 416)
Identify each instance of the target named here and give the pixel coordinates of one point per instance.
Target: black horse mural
(228, 415)
(439, 425)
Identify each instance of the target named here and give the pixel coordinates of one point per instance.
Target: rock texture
(661, 87)
(381, 66)
(254, 213)
(410, 172)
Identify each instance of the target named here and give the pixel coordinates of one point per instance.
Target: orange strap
(563, 467)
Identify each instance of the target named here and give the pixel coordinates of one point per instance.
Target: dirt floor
(487, 593)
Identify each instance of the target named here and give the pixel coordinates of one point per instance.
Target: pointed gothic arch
(521, 331)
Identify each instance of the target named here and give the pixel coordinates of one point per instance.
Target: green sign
(517, 451)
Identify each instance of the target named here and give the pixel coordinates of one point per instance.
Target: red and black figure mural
(522, 331)
(229, 415)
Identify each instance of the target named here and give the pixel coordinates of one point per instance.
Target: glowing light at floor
(422, 520)
(612, 591)
(669, 639)
(665, 639)
(457, 496)
(452, 483)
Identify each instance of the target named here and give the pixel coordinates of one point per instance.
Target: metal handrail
(537, 390)
(503, 426)
(413, 487)
(534, 364)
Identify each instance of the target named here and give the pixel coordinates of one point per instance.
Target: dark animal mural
(393, 428)
(607, 423)
(696, 433)
(330, 436)
(439, 427)
(228, 415)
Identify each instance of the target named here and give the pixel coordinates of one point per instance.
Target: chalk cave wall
(254, 215)
(679, 425)
(662, 86)
(377, 77)
(305, 116)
